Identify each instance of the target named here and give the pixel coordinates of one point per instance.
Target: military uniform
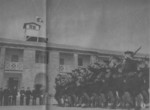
(1, 96)
(129, 64)
(41, 95)
(121, 79)
(28, 96)
(14, 96)
(10, 95)
(127, 100)
(6, 96)
(34, 94)
(22, 96)
(102, 99)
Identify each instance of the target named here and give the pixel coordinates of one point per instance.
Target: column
(2, 65)
(28, 74)
(92, 59)
(52, 71)
(75, 60)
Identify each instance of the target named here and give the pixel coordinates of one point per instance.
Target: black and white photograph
(74, 54)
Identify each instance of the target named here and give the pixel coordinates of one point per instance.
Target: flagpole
(47, 71)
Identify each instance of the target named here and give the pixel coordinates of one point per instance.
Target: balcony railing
(65, 68)
(13, 66)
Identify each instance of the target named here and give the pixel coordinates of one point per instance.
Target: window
(80, 62)
(37, 28)
(31, 38)
(15, 58)
(30, 26)
(34, 27)
(61, 61)
(41, 57)
(40, 39)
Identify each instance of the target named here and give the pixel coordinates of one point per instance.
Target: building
(29, 62)
(24, 63)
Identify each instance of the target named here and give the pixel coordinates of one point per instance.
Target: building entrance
(13, 82)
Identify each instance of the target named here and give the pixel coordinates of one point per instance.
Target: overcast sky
(14, 13)
(103, 24)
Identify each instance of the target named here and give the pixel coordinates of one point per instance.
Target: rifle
(137, 51)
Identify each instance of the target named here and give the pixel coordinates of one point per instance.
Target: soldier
(145, 76)
(127, 99)
(22, 95)
(102, 100)
(145, 96)
(129, 63)
(14, 95)
(94, 100)
(9, 96)
(1, 96)
(85, 100)
(114, 62)
(139, 101)
(34, 95)
(6, 96)
(117, 100)
(42, 92)
(28, 95)
(74, 99)
(110, 99)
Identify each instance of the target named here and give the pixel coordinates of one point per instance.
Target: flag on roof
(38, 19)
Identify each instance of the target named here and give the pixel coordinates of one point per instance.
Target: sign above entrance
(14, 66)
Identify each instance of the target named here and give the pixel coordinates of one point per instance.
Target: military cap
(129, 52)
(116, 58)
(146, 59)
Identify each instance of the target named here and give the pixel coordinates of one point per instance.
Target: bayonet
(137, 51)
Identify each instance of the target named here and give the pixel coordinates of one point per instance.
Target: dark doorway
(12, 82)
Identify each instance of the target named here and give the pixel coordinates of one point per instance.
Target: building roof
(30, 23)
(4, 41)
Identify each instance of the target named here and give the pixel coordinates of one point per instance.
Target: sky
(102, 24)
(14, 13)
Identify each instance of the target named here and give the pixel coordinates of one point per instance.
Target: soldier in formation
(22, 96)
(10, 96)
(117, 83)
(1, 96)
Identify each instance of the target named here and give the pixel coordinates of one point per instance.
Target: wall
(2, 57)
(86, 59)
(10, 52)
(53, 70)
(28, 72)
(68, 58)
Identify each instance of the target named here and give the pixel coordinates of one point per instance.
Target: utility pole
(47, 71)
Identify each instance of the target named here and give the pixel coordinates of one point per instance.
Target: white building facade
(24, 64)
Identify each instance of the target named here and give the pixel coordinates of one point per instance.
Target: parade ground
(51, 108)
